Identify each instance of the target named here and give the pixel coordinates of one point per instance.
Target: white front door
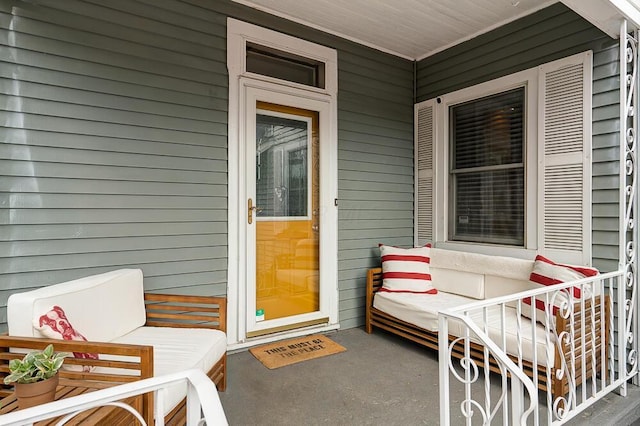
(286, 287)
(283, 215)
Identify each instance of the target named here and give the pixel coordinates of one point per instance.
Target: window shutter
(565, 159)
(424, 145)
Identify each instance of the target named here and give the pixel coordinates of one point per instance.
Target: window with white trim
(486, 191)
(504, 167)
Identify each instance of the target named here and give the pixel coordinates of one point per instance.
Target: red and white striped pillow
(548, 273)
(406, 270)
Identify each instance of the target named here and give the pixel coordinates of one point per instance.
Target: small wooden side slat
(186, 311)
(181, 316)
(161, 307)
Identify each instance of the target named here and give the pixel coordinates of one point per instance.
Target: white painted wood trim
(587, 147)
(421, 174)
(320, 28)
(288, 17)
(538, 7)
(243, 32)
(534, 237)
(585, 256)
(268, 338)
(527, 78)
(238, 33)
(235, 64)
(254, 91)
(607, 14)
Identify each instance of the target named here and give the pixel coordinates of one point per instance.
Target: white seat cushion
(177, 349)
(495, 328)
(418, 309)
(422, 310)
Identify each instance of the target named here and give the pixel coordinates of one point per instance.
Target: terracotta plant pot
(31, 394)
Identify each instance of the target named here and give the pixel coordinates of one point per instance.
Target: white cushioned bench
(462, 278)
(134, 335)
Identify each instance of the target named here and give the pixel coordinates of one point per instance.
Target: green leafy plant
(35, 366)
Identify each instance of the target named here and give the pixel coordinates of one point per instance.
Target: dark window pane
(487, 189)
(489, 131)
(282, 65)
(489, 207)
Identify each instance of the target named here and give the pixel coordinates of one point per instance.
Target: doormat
(287, 352)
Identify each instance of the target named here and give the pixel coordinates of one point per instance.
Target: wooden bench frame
(162, 310)
(559, 386)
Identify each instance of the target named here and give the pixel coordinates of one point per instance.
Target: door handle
(250, 209)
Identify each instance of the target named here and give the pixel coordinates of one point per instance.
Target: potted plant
(36, 376)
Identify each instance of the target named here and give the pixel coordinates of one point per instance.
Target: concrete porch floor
(380, 380)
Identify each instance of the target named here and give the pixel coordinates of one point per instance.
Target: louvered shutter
(564, 171)
(424, 144)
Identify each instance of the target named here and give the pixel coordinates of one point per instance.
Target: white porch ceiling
(412, 29)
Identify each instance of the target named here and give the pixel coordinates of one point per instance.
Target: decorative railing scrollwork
(629, 165)
(506, 366)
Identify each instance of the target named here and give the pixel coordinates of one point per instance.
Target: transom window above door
(284, 65)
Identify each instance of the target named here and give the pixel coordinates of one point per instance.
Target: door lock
(251, 208)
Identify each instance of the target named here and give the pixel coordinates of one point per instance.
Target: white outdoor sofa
(134, 335)
(462, 278)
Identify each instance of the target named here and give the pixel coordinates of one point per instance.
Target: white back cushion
(458, 282)
(501, 286)
(101, 307)
(477, 275)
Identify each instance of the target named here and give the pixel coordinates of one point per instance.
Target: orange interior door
(286, 211)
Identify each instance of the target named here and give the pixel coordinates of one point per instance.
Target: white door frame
(238, 33)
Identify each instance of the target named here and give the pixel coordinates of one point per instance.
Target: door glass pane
(281, 166)
(287, 226)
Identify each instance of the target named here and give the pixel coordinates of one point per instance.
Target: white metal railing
(575, 349)
(203, 403)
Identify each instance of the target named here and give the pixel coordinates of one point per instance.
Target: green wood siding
(552, 33)
(113, 150)
(605, 160)
(113, 147)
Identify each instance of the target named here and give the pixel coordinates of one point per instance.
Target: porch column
(628, 230)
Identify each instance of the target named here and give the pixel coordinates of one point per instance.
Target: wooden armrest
(184, 311)
(374, 282)
(137, 365)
